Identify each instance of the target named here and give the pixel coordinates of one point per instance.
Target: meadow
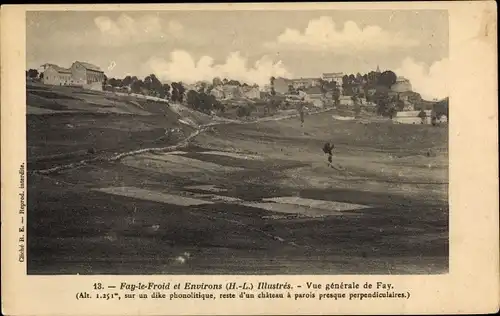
(253, 198)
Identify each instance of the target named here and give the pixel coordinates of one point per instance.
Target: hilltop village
(379, 91)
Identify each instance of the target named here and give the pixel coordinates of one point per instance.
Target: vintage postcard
(292, 158)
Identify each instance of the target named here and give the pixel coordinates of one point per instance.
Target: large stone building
(281, 85)
(315, 96)
(412, 117)
(228, 92)
(251, 92)
(401, 85)
(80, 74)
(333, 76)
(218, 93)
(305, 83)
(55, 75)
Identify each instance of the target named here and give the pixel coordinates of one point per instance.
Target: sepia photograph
(245, 142)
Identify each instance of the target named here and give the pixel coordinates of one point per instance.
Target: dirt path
(200, 129)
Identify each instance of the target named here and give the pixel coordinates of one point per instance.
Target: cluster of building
(308, 90)
(80, 74)
(282, 85)
(228, 92)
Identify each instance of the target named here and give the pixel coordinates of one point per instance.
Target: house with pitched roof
(251, 92)
(55, 75)
(87, 75)
(81, 74)
(304, 83)
(217, 92)
(333, 76)
(281, 85)
(315, 96)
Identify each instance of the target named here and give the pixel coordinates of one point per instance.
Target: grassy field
(67, 125)
(253, 198)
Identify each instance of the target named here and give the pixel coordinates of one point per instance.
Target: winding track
(180, 145)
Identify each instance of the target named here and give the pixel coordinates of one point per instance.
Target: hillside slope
(67, 125)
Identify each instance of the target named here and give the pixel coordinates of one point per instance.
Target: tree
(422, 115)
(209, 88)
(359, 78)
(148, 83)
(178, 92)
(202, 87)
(181, 90)
(216, 82)
(155, 86)
(193, 99)
(127, 81)
(273, 105)
(234, 83)
(387, 79)
(372, 78)
(400, 105)
(441, 108)
(345, 81)
(245, 110)
(392, 112)
(33, 73)
(175, 92)
(336, 95)
(113, 82)
(218, 106)
(203, 102)
(323, 85)
(104, 81)
(271, 81)
(382, 100)
(347, 84)
(137, 86)
(166, 91)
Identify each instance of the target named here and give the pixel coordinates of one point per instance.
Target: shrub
(245, 110)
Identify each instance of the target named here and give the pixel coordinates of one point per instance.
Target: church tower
(378, 69)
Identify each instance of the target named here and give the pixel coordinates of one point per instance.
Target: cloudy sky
(246, 45)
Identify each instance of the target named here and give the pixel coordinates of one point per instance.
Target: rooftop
(314, 90)
(304, 79)
(57, 68)
(89, 66)
(402, 79)
(333, 74)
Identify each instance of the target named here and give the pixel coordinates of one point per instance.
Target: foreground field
(150, 187)
(251, 199)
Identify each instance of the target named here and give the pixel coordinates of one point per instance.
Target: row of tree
(362, 86)
(358, 85)
(374, 87)
(231, 82)
(33, 74)
(151, 85)
(203, 102)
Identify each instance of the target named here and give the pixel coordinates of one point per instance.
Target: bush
(245, 110)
